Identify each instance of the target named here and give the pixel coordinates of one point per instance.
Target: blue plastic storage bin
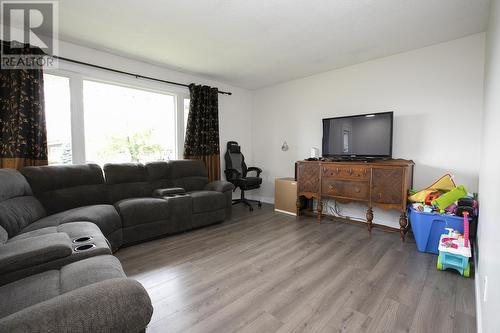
(428, 227)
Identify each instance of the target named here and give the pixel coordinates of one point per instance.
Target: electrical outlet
(485, 290)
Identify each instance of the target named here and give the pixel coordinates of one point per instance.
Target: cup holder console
(83, 239)
(175, 195)
(84, 247)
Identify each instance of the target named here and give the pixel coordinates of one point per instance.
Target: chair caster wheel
(259, 204)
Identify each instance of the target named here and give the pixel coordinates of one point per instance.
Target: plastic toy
(466, 229)
(450, 197)
(444, 184)
(431, 197)
(454, 254)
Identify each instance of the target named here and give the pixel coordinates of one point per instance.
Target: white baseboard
(268, 200)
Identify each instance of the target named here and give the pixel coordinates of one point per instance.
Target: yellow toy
(445, 184)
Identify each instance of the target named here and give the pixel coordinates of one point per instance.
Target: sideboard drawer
(358, 190)
(345, 172)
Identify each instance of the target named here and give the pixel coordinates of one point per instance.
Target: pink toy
(466, 229)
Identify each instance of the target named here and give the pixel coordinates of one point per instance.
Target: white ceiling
(256, 43)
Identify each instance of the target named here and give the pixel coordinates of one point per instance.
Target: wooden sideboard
(383, 184)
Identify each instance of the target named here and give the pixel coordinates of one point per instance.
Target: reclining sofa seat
(72, 193)
(212, 202)
(92, 295)
(27, 253)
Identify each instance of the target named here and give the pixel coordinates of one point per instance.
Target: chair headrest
(233, 147)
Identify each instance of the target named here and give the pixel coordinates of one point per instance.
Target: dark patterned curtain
(202, 133)
(23, 134)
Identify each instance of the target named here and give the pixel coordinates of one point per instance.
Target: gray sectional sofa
(60, 224)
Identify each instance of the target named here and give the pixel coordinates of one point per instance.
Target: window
(115, 120)
(125, 124)
(58, 118)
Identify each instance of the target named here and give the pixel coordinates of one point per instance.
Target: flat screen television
(360, 136)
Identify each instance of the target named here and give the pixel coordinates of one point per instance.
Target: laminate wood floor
(269, 272)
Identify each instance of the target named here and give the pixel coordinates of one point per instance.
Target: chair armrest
(232, 174)
(219, 186)
(114, 305)
(33, 251)
(257, 170)
(163, 192)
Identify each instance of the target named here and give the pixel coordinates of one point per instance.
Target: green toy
(449, 198)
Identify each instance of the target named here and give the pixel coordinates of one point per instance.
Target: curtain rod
(138, 76)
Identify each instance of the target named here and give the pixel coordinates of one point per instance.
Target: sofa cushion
(90, 271)
(142, 210)
(117, 173)
(206, 201)
(104, 216)
(188, 174)
(3, 236)
(34, 289)
(159, 175)
(127, 180)
(111, 305)
(33, 251)
(64, 187)
(13, 184)
(64, 236)
(119, 192)
(19, 212)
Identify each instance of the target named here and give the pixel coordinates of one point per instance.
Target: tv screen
(368, 135)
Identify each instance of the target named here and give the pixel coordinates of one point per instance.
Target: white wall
(489, 185)
(235, 111)
(435, 93)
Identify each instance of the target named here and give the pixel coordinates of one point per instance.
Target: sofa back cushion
(18, 208)
(64, 187)
(188, 174)
(127, 180)
(159, 175)
(3, 236)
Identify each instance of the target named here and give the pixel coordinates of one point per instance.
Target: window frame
(77, 74)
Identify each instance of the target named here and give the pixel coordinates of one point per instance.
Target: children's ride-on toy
(458, 262)
(454, 251)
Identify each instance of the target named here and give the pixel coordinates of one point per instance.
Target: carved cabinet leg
(297, 205)
(403, 225)
(369, 218)
(319, 209)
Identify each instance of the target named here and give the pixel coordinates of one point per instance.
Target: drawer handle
(338, 170)
(350, 171)
(357, 190)
(380, 195)
(330, 187)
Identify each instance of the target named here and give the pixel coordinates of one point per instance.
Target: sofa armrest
(219, 186)
(32, 251)
(114, 305)
(162, 192)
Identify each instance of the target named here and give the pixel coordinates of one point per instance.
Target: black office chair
(236, 173)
